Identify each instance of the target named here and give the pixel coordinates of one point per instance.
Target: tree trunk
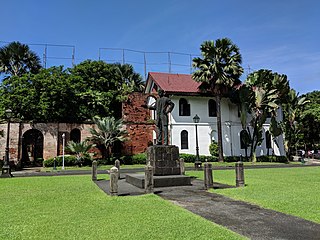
(254, 142)
(218, 98)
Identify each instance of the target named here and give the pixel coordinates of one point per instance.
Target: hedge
(140, 158)
(69, 160)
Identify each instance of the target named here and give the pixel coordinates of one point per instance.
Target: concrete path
(246, 219)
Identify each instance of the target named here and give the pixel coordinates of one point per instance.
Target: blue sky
(280, 35)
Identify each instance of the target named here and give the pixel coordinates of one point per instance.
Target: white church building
(189, 102)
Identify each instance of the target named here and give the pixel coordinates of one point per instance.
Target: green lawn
(295, 191)
(215, 164)
(73, 207)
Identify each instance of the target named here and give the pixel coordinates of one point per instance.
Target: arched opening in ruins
(32, 148)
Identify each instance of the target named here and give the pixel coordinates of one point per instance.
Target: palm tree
(17, 59)
(128, 76)
(219, 69)
(293, 104)
(108, 132)
(264, 102)
(262, 94)
(81, 150)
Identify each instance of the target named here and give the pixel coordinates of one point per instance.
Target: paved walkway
(246, 219)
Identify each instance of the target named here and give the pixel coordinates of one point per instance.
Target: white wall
(231, 128)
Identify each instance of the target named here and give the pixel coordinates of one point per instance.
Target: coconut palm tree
(17, 59)
(219, 69)
(81, 150)
(107, 132)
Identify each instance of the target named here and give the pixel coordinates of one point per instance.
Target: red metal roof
(175, 83)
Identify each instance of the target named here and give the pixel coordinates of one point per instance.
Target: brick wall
(138, 123)
(52, 140)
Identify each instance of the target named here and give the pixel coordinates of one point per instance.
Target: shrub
(127, 159)
(278, 159)
(140, 158)
(190, 158)
(233, 159)
(69, 160)
(214, 149)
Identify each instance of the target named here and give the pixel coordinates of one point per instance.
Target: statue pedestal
(164, 160)
(166, 168)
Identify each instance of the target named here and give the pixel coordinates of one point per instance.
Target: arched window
(75, 135)
(212, 107)
(244, 139)
(184, 139)
(184, 107)
(268, 139)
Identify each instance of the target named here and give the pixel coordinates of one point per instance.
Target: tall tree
(309, 118)
(17, 59)
(292, 123)
(90, 88)
(103, 87)
(48, 96)
(261, 96)
(107, 132)
(219, 69)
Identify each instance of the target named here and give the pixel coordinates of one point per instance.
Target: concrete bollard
(94, 170)
(239, 174)
(148, 178)
(208, 177)
(117, 165)
(182, 168)
(114, 181)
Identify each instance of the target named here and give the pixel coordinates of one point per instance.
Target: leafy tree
(81, 150)
(46, 96)
(17, 59)
(103, 87)
(309, 119)
(291, 123)
(108, 132)
(133, 81)
(214, 149)
(261, 96)
(73, 95)
(219, 69)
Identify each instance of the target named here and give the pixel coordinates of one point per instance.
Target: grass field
(73, 207)
(215, 164)
(295, 191)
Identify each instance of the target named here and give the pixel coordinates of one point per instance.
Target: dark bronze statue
(163, 106)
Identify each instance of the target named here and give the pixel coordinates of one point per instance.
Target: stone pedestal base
(164, 160)
(159, 181)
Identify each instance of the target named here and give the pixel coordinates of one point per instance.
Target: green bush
(1, 164)
(277, 159)
(190, 158)
(127, 159)
(233, 159)
(69, 160)
(214, 149)
(140, 158)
